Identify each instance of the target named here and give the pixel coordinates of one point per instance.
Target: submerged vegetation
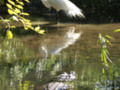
(19, 64)
(13, 51)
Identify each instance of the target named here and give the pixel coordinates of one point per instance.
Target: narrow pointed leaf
(19, 6)
(109, 37)
(117, 30)
(11, 2)
(26, 14)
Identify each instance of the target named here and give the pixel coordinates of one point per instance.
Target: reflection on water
(36, 61)
(55, 44)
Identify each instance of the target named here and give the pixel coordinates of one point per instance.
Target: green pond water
(32, 61)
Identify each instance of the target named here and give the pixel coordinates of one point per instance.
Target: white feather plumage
(66, 5)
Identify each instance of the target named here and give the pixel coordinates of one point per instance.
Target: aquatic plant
(17, 67)
(104, 52)
(109, 79)
(13, 51)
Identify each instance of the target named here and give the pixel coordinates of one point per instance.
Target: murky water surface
(32, 62)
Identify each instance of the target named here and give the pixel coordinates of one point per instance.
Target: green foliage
(15, 9)
(103, 74)
(104, 51)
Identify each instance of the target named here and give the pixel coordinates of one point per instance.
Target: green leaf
(107, 52)
(103, 71)
(9, 6)
(102, 55)
(19, 6)
(26, 14)
(41, 32)
(27, 1)
(20, 2)
(25, 28)
(108, 42)
(9, 34)
(109, 37)
(117, 30)
(11, 2)
(37, 28)
(10, 12)
(17, 11)
(12, 27)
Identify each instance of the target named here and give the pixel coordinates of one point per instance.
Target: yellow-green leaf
(26, 0)
(117, 30)
(30, 27)
(11, 2)
(108, 42)
(9, 34)
(10, 12)
(37, 28)
(20, 2)
(17, 10)
(25, 28)
(19, 6)
(26, 14)
(9, 6)
(41, 31)
(109, 37)
(12, 27)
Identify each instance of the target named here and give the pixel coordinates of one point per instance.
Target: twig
(8, 25)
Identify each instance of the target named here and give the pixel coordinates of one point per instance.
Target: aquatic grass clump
(12, 76)
(25, 74)
(14, 50)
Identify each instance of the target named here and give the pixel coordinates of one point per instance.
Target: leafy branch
(15, 9)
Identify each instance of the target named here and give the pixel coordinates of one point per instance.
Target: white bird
(71, 9)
